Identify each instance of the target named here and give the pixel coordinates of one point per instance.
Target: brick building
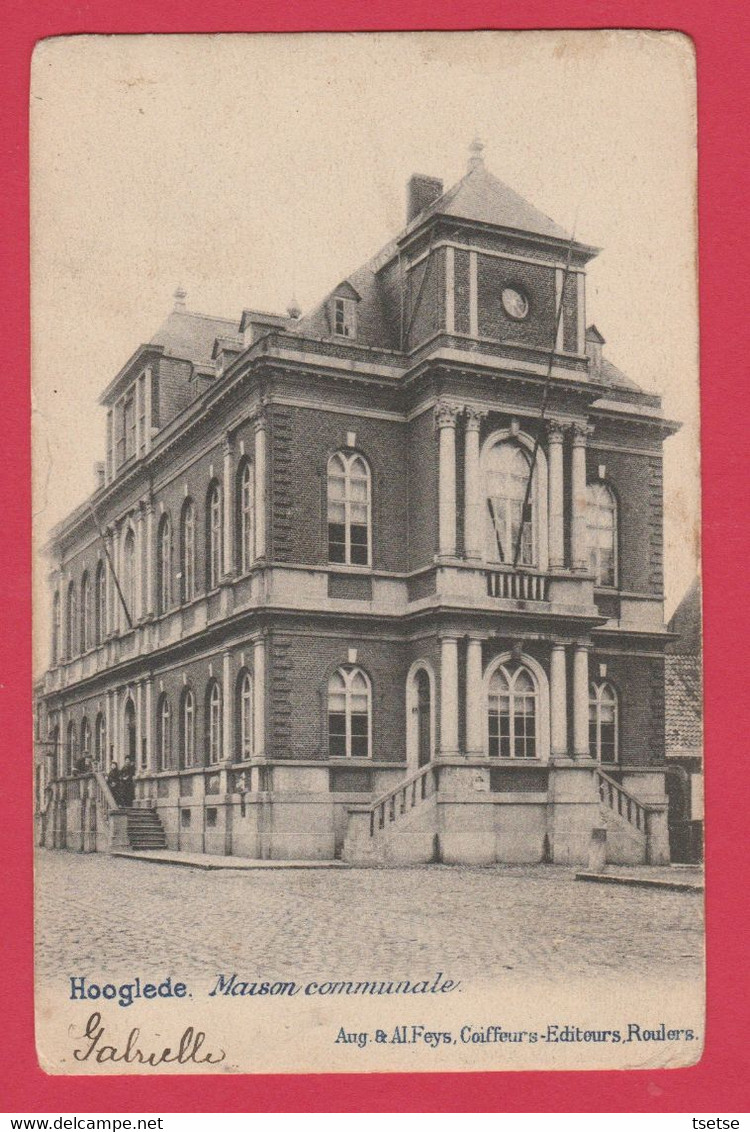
(310, 599)
(684, 728)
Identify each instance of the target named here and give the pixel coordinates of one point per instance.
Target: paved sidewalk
(213, 861)
(677, 878)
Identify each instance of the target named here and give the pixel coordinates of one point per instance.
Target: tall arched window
(213, 536)
(86, 612)
(164, 564)
(130, 731)
(86, 739)
(213, 722)
(128, 573)
(244, 715)
(71, 618)
(245, 517)
(506, 471)
(100, 603)
(54, 740)
(70, 748)
(601, 520)
(603, 722)
(349, 712)
(349, 509)
(164, 734)
(56, 628)
(187, 728)
(100, 740)
(187, 550)
(512, 713)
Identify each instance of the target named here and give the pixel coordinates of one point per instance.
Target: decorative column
(148, 729)
(448, 695)
(140, 569)
(116, 729)
(138, 727)
(108, 752)
(474, 713)
(445, 421)
(110, 582)
(558, 695)
(261, 430)
(150, 566)
(228, 496)
(226, 712)
(259, 698)
(473, 508)
(118, 616)
(555, 436)
(581, 701)
(148, 393)
(579, 550)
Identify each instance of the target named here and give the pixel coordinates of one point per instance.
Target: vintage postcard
(367, 602)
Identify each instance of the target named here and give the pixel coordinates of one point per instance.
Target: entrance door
(424, 720)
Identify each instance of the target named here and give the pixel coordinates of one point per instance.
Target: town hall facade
(381, 582)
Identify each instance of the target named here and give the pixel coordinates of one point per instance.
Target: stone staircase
(399, 827)
(145, 830)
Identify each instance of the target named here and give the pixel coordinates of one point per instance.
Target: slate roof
(480, 196)
(191, 336)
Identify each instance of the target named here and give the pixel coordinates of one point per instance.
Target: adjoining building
(684, 729)
(312, 600)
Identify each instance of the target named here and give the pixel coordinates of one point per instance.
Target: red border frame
(719, 1083)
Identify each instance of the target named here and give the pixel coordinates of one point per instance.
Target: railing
(520, 585)
(402, 798)
(105, 799)
(621, 802)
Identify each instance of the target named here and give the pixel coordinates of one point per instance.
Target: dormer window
(345, 317)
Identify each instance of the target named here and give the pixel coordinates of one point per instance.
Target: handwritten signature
(188, 1048)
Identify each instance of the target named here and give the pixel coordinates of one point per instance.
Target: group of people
(120, 782)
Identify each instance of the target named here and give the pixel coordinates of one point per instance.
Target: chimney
(594, 343)
(421, 192)
(180, 296)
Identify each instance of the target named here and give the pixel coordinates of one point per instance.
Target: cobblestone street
(115, 917)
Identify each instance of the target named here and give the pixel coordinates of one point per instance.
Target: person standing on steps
(113, 781)
(127, 784)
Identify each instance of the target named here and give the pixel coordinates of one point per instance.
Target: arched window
(128, 574)
(244, 715)
(71, 618)
(56, 628)
(100, 603)
(512, 713)
(164, 734)
(349, 707)
(601, 520)
(187, 550)
(603, 722)
(213, 536)
(70, 748)
(245, 517)
(86, 612)
(506, 472)
(164, 564)
(130, 736)
(213, 722)
(86, 739)
(187, 728)
(100, 740)
(54, 740)
(349, 509)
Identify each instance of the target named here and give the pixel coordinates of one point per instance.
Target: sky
(253, 168)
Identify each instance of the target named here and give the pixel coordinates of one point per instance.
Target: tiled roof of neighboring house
(185, 334)
(683, 692)
(611, 375)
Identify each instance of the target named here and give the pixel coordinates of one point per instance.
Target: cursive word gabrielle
(187, 1049)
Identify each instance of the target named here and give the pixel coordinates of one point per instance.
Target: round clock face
(516, 304)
